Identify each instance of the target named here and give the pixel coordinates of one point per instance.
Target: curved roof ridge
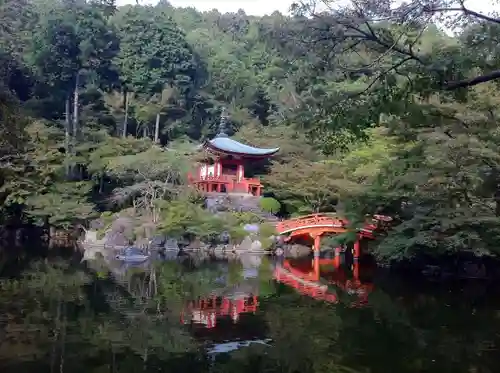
(229, 145)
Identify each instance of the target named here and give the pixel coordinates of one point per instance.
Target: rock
(114, 239)
(158, 241)
(225, 237)
(96, 225)
(141, 243)
(296, 251)
(93, 252)
(170, 254)
(279, 251)
(172, 244)
(195, 245)
(246, 244)
(119, 233)
(256, 246)
(91, 238)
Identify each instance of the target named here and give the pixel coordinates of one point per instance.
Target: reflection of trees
(49, 319)
(66, 319)
(409, 334)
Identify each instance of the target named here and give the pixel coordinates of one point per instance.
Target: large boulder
(246, 244)
(225, 237)
(158, 241)
(256, 246)
(171, 244)
(91, 238)
(116, 239)
(295, 251)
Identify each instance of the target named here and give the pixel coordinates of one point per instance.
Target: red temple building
(223, 170)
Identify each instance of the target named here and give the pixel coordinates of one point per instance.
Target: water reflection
(206, 311)
(321, 279)
(241, 314)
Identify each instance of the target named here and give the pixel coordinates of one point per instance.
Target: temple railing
(224, 178)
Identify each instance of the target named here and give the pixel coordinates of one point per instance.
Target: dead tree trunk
(157, 128)
(67, 135)
(125, 119)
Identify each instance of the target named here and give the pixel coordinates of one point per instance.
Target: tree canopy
(376, 106)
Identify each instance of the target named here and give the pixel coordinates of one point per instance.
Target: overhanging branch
(473, 81)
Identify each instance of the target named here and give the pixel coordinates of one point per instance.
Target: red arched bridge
(317, 225)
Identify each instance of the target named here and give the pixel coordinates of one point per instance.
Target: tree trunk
(67, 134)
(496, 197)
(125, 119)
(157, 129)
(145, 131)
(76, 124)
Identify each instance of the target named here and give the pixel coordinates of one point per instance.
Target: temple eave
(248, 153)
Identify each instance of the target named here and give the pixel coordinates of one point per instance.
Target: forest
(378, 107)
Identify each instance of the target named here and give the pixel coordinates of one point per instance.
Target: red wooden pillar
(317, 269)
(316, 249)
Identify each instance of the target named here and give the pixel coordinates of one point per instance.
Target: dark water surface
(201, 315)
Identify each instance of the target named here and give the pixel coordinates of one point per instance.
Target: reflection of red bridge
(206, 311)
(306, 281)
(317, 225)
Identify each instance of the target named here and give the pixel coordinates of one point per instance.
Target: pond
(242, 314)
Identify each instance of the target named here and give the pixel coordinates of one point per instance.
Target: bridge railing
(377, 222)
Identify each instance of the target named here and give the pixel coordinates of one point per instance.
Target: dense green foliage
(101, 109)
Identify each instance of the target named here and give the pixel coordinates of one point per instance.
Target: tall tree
(72, 45)
(154, 54)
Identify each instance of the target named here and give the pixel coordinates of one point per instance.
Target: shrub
(269, 204)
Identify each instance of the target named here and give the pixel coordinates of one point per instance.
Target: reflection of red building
(206, 311)
(306, 280)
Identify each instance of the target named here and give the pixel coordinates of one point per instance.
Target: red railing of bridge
(325, 223)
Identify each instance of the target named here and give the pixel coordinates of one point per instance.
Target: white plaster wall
(211, 170)
(240, 173)
(203, 171)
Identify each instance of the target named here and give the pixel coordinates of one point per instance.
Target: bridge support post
(336, 259)
(317, 251)
(317, 243)
(356, 252)
(317, 270)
